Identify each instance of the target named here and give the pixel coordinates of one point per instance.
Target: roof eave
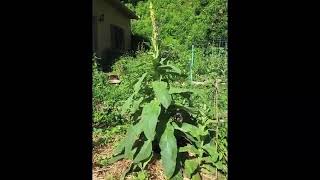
(123, 8)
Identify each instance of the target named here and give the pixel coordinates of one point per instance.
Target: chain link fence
(220, 43)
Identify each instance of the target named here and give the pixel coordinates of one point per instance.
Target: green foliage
(161, 92)
(145, 152)
(190, 166)
(104, 136)
(163, 109)
(141, 175)
(168, 146)
(108, 99)
(183, 22)
(149, 118)
(158, 96)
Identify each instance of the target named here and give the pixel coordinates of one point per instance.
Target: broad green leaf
(188, 109)
(175, 125)
(135, 105)
(196, 177)
(162, 94)
(178, 176)
(132, 135)
(189, 148)
(114, 159)
(144, 164)
(193, 140)
(137, 86)
(190, 166)
(174, 90)
(219, 165)
(212, 150)
(120, 147)
(208, 160)
(193, 130)
(189, 137)
(145, 152)
(168, 146)
(188, 128)
(149, 118)
(126, 105)
(171, 68)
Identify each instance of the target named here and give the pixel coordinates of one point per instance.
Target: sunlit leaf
(137, 86)
(162, 93)
(149, 118)
(145, 152)
(168, 146)
(190, 166)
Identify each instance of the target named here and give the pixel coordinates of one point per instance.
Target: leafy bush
(108, 98)
(164, 118)
(189, 119)
(187, 22)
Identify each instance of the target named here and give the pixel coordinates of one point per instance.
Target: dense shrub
(183, 22)
(108, 98)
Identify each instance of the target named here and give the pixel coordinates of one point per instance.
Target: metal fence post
(191, 63)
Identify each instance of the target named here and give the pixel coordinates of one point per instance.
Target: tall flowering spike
(154, 32)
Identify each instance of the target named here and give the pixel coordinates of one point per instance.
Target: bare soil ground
(115, 170)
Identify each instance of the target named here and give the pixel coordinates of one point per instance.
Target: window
(117, 37)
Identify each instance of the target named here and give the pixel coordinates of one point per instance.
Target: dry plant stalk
(154, 32)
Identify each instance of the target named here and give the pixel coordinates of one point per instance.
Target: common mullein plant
(179, 132)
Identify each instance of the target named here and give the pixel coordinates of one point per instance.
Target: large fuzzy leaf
(149, 118)
(178, 176)
(113, 159)
(128, 102)
(219, 165)
(146, 161)
(191, 129)
(196, 177)
(162, 93)
(120, 147)
(189, 137)
(212, 150)
(127, 105)
(190, 149)
(137, 86)
(136, 105)
(190, 166)
(131, 137)
(168, 146)
(145, 152)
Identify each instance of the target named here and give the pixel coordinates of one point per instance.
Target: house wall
(111, 16)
